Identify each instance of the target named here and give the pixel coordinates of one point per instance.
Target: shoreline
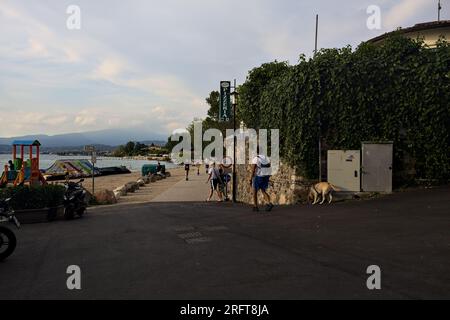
(145, 193)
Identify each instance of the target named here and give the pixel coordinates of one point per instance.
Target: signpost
(225, 116)
(225, 101)
(91, 150)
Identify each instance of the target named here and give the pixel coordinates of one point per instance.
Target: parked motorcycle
(74, 199)
(8, 239)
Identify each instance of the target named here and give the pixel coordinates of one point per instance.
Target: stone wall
(286, 187)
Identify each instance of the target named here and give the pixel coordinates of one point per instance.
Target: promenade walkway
(193, 190)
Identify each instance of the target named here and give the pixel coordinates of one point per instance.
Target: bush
(398, 91)
(36, 197)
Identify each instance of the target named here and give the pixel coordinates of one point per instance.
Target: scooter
(74, 200)
(8, 239)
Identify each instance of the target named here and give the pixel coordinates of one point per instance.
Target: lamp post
(234, 98)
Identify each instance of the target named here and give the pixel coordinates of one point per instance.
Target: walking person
(186, 169)
(260, 176)
(225, 179)
(215, 180)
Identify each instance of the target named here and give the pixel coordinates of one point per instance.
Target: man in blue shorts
(261, 172)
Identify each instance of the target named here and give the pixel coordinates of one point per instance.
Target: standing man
(186, 169)
(215, 180)
(260, 175)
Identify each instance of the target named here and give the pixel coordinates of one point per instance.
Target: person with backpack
(260, 176)
(215, 180)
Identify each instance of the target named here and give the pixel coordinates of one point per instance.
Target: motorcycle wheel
(69, 213)
(8, 243)
(81, 212)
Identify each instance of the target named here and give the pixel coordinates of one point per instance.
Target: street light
(234, 102)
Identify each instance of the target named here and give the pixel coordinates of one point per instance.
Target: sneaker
(269, 207)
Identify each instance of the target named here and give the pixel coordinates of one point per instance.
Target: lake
(46, 160)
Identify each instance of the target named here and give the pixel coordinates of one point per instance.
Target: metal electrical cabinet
(377, 167)
(344, 169)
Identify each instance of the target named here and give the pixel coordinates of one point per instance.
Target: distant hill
(110, 137)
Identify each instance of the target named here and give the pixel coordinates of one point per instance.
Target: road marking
(198, 240)
(190, 235)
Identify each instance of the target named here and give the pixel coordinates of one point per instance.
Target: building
(430, 32)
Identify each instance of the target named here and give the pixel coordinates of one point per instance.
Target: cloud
(153, 63)
(86, 118)
(109, 69)
(32, 38)
(403, 11)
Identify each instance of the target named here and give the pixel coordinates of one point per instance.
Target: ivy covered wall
(398, 91)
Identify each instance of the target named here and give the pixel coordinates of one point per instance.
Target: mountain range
(108, 137)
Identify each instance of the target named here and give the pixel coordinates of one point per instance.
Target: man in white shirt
(261, 172)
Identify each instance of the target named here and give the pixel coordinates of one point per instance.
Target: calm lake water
(46, 160)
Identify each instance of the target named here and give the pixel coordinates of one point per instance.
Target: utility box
(377, 158)
(344, 169)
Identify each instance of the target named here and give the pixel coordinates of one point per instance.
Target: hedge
(398, 91)
(36, 197)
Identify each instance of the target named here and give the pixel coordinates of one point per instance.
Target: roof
(26, 143)
(416, 28)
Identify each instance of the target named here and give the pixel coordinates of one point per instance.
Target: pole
(317, 29)
(93, 177)
(93, 180)
(234, 143)
(439, 10)
(319, 122)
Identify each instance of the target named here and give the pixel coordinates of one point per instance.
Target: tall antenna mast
(317, 30)
(439, 10)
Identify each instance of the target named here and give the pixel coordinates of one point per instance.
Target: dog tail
(334, 188)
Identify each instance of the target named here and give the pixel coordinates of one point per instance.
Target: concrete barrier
(132, 186)
(121, 191)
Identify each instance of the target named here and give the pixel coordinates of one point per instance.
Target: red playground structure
(25, 171)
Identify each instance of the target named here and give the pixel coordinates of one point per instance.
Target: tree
(129, 148)
(251, 91)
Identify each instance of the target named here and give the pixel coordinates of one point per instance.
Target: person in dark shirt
(186, 168)
(11, 165)
(158, 167)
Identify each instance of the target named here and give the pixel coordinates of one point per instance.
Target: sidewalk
(194, 190)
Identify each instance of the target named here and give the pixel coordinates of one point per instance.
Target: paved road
(194, 190)
(212, 251)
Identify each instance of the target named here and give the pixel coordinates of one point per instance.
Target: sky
(150, 64)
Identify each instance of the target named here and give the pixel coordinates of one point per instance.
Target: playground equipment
(25, 171)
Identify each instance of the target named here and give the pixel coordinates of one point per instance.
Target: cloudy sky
(149, 64)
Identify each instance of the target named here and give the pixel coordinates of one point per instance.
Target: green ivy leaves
(397, 91)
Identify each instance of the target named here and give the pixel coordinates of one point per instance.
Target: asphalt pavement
(180, 250)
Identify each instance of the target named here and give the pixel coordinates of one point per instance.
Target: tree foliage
(131, 149)
(210, 122)
(398, 91)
